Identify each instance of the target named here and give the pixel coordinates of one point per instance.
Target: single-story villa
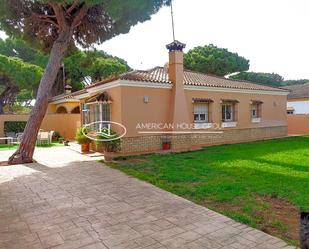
(187, 108)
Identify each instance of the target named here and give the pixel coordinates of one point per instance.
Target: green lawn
(14, 147)
(262, 184)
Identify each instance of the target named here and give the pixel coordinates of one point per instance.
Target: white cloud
(271, 33)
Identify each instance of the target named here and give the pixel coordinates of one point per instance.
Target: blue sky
(272, 34)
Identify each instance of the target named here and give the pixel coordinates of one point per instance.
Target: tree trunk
(24, 153)
(1, 106)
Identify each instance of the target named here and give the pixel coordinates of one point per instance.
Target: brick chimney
(179, 103)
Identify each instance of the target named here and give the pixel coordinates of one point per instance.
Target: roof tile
(160, 75)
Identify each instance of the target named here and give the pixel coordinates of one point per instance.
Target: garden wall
(298, 124)
(66, 124)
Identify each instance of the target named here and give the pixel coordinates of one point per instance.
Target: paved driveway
(67, 200)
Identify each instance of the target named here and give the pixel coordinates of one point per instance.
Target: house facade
(185, 108)
(298, 109)
(298, 99)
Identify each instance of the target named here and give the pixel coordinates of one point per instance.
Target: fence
(298, 124)
(66, 124)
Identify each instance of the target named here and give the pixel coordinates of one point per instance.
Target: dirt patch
(281, 219)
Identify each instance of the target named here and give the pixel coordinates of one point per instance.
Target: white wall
(300, 107)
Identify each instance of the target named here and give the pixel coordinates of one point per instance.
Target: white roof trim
(234, 90)
(131, 83)
(65, 101)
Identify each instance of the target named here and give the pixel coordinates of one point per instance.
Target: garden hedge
(14, 126)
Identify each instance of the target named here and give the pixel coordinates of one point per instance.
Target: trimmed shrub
(14, 126)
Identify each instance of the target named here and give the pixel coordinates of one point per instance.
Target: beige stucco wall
(158, 110)
(135, 111)
(66, 124)
(298, 124)
(273, 108)
(69, 106)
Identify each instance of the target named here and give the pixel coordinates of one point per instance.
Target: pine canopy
(93, 21)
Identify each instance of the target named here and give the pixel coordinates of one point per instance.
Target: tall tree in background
(55, 25)
(213, 60)
(78, 65)
(295, 82)
(15, 75)
(271, 79)
(19, 48)
(82, 68)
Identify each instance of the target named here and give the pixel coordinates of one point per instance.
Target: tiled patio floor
(69, 201)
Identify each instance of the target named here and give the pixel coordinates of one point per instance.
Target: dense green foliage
(271, 79)
(294, 82)
(20, 49)
(233, 179)
(19, 80)
(24, 75)
(80, 136)
(92, 65)
(108, 146)
(79, 66)
(14, 126)
(36, 22)
(213, 60)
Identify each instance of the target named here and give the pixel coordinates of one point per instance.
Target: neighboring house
(298, 99)
(145, 102)
(298, 109)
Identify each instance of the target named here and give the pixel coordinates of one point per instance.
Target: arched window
(61, 109)
(76, 110)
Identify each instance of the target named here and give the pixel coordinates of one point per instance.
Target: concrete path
(68, 201)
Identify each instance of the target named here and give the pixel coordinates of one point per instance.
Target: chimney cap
(68, 87)
(176, 46)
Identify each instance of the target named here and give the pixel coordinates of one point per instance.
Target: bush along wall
(14, 126)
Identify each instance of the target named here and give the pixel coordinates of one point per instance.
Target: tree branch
(72, 7)
(60, 15)
(79, 16)
(46, 18)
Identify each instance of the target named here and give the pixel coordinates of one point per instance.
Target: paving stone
(69, 201)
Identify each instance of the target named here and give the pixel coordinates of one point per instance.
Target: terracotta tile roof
(160, 75)
(157, 74)
(199, 79)
(68, 96)
(298, 91)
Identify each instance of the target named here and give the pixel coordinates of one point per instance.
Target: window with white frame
(256, 110)
(201, 114)
(228, 112)
(102, 112)
(85, 113)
